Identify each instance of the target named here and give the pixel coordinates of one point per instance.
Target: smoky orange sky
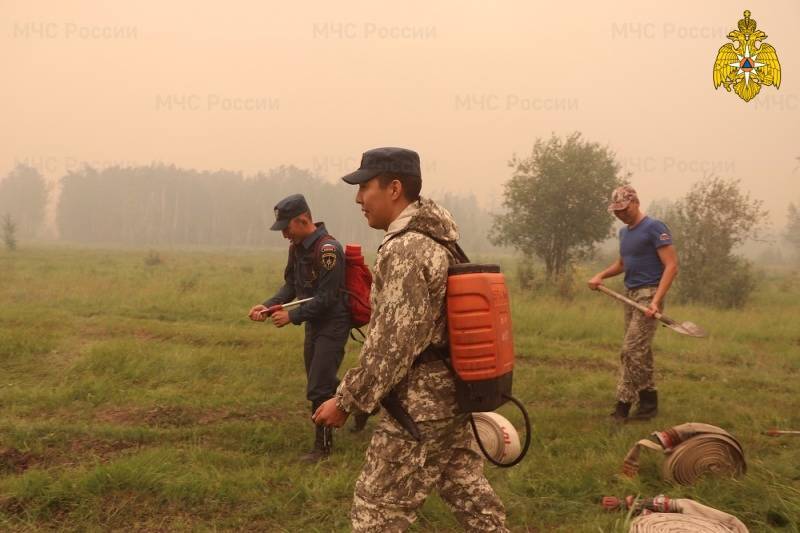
(253, 85)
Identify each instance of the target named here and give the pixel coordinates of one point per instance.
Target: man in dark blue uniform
(316, 268)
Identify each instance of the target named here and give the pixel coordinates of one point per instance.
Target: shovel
(685, 328)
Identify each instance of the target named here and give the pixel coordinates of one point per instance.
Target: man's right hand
(257, 313)
(595, 282)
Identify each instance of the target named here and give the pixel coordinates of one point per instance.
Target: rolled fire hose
(666, 515)
(503, 448)
(692, 449)
(499, 438)
(680, 523)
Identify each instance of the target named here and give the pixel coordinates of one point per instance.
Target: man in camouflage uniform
(408, 316)
(650, 263)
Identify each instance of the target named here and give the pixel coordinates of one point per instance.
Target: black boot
(323, 441)
(621, 411)
(648, 405)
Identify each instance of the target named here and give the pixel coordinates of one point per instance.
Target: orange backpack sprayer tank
(480, 350)
(481, 342)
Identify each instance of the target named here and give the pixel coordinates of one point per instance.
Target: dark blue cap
(387, 160)
(287, 209)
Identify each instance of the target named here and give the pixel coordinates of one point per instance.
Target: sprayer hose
(527, 436)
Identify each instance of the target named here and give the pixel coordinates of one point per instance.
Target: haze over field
(142, 149)
(253, 85)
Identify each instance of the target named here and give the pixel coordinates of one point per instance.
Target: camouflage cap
(621, 197)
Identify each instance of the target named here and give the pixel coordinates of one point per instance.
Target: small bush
(526, 275)
(187, 284)
(9, 233)
(721, 286)
(789, 282)
(566, 286)
(709, 223)
(153, 258)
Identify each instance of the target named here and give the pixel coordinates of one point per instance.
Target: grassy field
(138, 397)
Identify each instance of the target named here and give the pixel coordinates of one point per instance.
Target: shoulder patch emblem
(664, 237)
(328, 256)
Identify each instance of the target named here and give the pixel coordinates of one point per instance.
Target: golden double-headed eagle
(746, 67)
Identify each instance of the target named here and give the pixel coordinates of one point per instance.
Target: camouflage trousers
(636, 357)
(400, 473)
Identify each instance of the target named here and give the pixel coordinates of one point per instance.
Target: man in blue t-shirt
(650, 263)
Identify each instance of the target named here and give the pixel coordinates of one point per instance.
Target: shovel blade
(687, 328)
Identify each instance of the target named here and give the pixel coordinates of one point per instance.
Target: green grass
(139, 397)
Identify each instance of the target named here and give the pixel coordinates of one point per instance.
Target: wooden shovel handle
(625, 299)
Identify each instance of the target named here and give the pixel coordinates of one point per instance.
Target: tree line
(554, 209)
(23, 200)
(163, 205)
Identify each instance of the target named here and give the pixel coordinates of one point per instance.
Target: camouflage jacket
(408, 314)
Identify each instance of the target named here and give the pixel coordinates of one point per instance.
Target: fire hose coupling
(668, 438)
(660, 504)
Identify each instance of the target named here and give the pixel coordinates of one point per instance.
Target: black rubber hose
(527, 436)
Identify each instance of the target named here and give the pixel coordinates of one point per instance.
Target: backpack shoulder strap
(452, 247)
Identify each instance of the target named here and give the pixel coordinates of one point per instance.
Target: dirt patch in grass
(79, 450)
(14, 461)
(179, 416)
(144, 335)
(195, 339)
(101, 449)
(84, 450)
(11, 505)
(93, 331)
(135, 512)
